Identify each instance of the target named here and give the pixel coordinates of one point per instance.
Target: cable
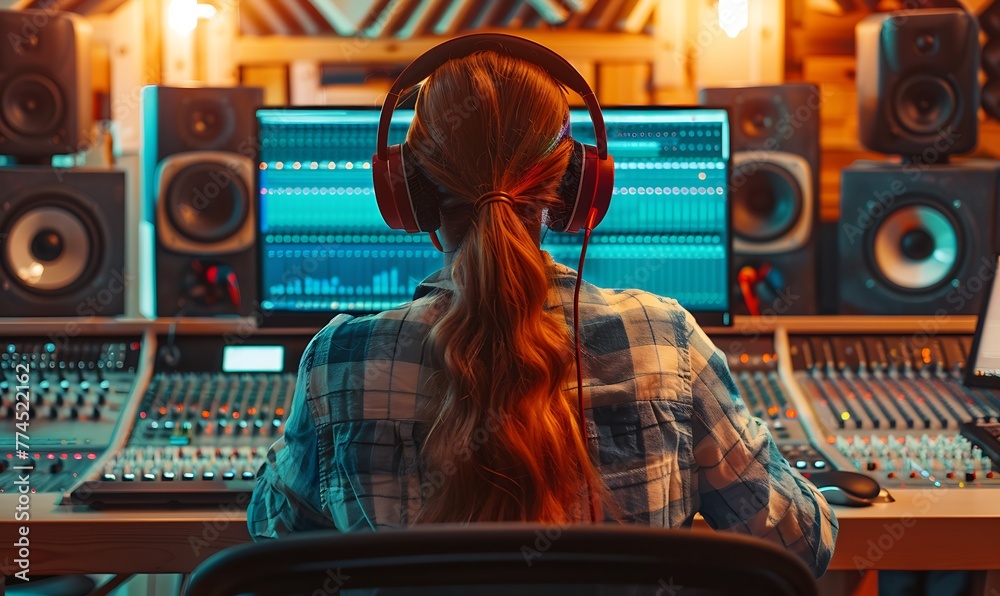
(579, 358)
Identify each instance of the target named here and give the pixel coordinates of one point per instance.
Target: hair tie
(492, 197)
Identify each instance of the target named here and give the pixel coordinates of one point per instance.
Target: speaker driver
(205, 123)
(916, 248)
(49, 249)
(925, 104)
(767, 201)
(758, 117)
(207, 202)
(32, 105)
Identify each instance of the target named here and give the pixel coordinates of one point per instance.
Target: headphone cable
(579, 358)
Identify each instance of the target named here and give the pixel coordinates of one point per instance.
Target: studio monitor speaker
(774, 186)
(917, 240)
(989, 22)
(198, 181)
(46, 100)
(918, 83)
(62, 243)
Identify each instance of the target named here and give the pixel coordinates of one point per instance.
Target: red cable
(579, 359)
(747, 277)
(233, 285)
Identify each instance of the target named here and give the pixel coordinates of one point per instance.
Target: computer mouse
(852, 489)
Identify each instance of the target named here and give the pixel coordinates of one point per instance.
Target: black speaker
(46, 100)
(199, 146)
(918, 83)
(917, 240)
(62, 243)
(989, 21)
(774, 192)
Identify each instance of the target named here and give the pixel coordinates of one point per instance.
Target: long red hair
(505, 442)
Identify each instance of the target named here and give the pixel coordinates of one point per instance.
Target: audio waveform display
(326, 249)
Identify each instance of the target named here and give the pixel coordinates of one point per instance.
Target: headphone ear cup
(569, 190)
(425, 195)
(390, 191)
(588, 184)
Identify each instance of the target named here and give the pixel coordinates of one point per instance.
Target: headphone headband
(518, 47)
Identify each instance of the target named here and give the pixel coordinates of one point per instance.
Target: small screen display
(237, 359)
(986, 360)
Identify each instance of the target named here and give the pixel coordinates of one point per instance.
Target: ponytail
(505, 442)
(503, 427)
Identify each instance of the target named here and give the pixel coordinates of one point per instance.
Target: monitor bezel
(971, 380)
(272, 318)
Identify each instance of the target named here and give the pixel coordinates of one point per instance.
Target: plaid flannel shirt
(665, 423)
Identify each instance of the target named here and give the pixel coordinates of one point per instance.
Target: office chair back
(506, 558)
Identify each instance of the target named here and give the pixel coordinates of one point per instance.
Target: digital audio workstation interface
(325, 247)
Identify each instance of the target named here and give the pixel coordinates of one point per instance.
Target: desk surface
(923, 529)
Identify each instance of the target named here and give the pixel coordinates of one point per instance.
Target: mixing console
(755, 370)
(895, 407)
(204, 424)
(73, 396)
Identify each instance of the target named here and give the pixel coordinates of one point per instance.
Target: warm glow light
(183, 15)
(734, 16)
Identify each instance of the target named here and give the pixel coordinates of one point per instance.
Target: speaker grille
(51, 248)
(767, 201)
(32, 105)
(206, 122)
(917, 248)
(925, 104)
(207, 202)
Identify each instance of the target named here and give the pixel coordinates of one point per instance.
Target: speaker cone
(207, 202)
(32, 105)
(916, 247)
(49, 249)
(759, 116)
(767, 201)
(205, 123)
(925, 104)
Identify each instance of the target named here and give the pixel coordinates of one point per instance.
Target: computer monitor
(325, 248)
(983, 367)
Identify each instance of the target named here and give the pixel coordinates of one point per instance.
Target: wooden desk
(923, 529)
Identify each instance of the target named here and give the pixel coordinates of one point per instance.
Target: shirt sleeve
(287, 496)
(744, 483)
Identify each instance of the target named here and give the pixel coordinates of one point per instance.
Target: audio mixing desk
(169, 479)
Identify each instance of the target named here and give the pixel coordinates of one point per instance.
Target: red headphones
(409, 200)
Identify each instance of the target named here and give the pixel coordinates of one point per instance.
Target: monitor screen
(325, 248)
(984, 369)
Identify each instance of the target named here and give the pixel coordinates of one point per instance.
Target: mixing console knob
(4, 464)
(56, 467)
